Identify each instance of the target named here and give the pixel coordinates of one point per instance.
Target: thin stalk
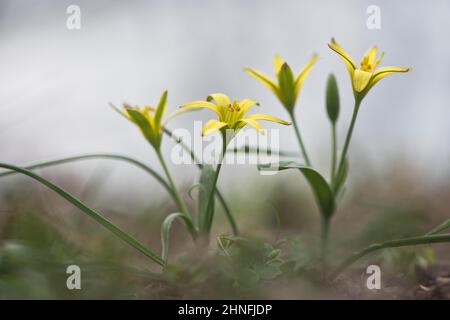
(348, 138)
(209, 219)
(90, 212)
(299, 138)
(426, 239)
(227, 210)
(333, 152)
(181, 204)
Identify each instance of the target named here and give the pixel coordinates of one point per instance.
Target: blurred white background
(55, 83)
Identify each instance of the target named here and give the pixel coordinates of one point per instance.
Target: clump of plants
(244, 259)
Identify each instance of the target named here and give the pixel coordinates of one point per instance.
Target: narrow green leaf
(441, 227)
(165, 231)
(319, 185)
(412, 241)
(206, 183)
(90, 212)
(93, 156)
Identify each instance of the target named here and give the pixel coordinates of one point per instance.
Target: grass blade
(165, 231)
(426, 239)
(93, 156)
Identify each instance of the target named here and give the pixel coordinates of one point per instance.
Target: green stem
(209, 218)
(333, 152)
(227, 210)
(90, 212)
(299, 138)
(181, 204)
(347, 139)
(426, 239)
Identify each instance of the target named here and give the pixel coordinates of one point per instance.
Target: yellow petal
(304, 72)
(277, 63)
(246, 104)
(267, 118)
(202, 104)
(361, 80)
(349, 63)
(221, 99)
(212, 126)
(379, 60)
(255, 124)
(264, 79)
(383, 72)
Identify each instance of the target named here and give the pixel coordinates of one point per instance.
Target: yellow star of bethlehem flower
(288, 86)
(147, 119)
(364, 77)
(232, 115)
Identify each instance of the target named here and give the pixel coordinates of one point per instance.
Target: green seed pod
(332, 98)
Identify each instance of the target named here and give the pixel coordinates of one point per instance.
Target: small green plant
(246, 256)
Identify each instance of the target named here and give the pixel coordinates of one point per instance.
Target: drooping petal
(349, 63)
(265, 117)
(221, 99)
(161, 108)
(245, 105)
(255, 124)
(277, 63)
(264, 79)
(212, 126)
(202, 104)
(383, 72)
(180, 111)
(304, 72)
(361, 80)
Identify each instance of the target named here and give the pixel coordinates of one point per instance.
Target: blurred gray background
(55, 83)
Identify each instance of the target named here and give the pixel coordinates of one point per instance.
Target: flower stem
(180, 203)
(210, 217)
(347, 140)
(333, 152)
(299, 138)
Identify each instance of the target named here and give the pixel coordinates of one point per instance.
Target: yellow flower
(288, 87)
(147, 119)
(364, 77)
(231, 115)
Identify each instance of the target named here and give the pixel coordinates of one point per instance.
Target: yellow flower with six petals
(288, 86)
(147, 119)
(231, 115)
(364, 77)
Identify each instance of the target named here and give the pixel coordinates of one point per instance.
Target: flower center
(366, 65)
(234, 106)
(232, 112)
